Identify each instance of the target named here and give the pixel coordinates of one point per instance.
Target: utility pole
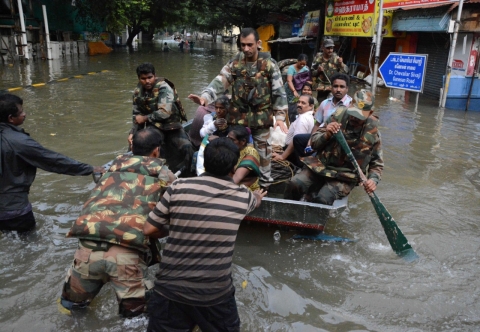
(24, 43)
(443, 98)
(378, 44)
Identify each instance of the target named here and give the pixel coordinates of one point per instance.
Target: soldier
(324, 66)
(330, 175)
(112, 246)
(258, 95)
(155, 103)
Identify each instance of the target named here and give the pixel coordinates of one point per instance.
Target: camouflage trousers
(316, 188)
(91, 269)
(260, 142)
(178, 150)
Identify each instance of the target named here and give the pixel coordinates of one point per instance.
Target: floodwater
(292, 285)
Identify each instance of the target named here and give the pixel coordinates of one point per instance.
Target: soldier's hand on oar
(369, 186)
(333, 127)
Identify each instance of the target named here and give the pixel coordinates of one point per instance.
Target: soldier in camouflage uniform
(324, 66)
(112, 246)
(258, 95)
(155, 104)
(330, 175)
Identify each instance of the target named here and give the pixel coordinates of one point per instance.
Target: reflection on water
(430, 186)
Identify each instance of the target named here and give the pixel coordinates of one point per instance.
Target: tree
(138, 15)
(250, 13)
(212, 15)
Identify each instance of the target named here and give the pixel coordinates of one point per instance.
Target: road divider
(37, 85)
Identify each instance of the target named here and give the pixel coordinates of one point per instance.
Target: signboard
(310, 24)
(474, 53)
(396, 4)
(354, 18)
(404, 71)
(357, 18)
(296, 27)
(462, 54)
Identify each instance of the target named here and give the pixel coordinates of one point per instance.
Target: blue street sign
(404, 71)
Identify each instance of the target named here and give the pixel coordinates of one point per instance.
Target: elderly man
(257, 95)
(302, 125)
(324, 66)
(155, 104)
(112, 246)
(340, 82)
(20, 156)
(330, 175)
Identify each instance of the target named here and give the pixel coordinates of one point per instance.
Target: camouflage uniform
(112, 245)
(159, 106)
(321, 80)
(257, 96)
(330, 175)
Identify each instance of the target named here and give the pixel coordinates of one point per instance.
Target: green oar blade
(398, 241)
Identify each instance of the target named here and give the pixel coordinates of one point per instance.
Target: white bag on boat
(277, 137)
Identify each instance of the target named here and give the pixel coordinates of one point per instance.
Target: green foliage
(200, 14)
(253, 13)
(137, 14)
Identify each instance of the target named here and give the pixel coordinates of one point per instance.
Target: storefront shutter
(436, 45)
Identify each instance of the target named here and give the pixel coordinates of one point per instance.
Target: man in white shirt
(340, 83)
(302, 125)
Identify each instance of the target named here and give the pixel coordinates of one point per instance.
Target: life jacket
(251, 96)
(149, 104)
(120, 203)
(333, 162)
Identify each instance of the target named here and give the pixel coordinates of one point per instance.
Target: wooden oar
(398, 241)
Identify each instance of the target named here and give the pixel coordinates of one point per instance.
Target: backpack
(176, 102)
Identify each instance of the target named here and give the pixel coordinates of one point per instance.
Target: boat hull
(292, 214)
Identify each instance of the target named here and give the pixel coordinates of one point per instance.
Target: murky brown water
(292, 285)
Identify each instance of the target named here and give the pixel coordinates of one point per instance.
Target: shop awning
(422, 20)
(291, 40)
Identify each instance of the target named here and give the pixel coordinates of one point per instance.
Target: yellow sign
(356, 18)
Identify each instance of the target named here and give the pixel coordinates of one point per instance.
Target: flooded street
(430, 186)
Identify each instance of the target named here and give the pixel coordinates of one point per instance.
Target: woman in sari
(297, 75)
(247, 171)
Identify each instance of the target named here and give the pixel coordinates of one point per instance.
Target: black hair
(340, 76)
(302, 57)
(307, 84)
(241, 132)
(224, 100)
(248, 31)
(145, 68)
(311, 101)
(145, 141)
(220, 156)
(8, 106)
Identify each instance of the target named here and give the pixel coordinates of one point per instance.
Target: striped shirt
(203, 215)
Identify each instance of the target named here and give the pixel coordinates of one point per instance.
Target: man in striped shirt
(201, 217)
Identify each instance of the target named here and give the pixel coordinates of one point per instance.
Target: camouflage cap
(353, 111)
(328, 43)
(363, 101)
